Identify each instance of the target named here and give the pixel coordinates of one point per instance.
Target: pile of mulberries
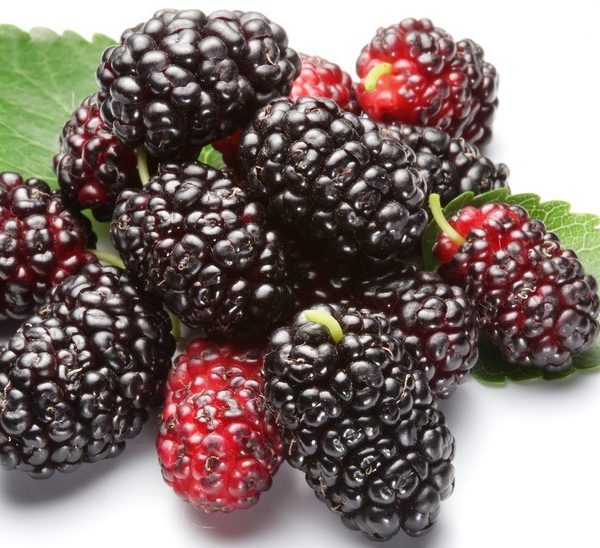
(285, 215)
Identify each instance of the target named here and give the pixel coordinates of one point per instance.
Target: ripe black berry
(77, 377)
(453, 165)
(41, 243)
(534, 299)
(183, 79)
(363, 428)
(335, 179)
(194, 235)
(436, 321)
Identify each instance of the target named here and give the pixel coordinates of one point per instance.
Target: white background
(527, 464)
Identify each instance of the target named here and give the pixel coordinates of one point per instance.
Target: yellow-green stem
(328, 321)
(435, 207)
(175, 327)
(142, 165)
(370, 82)
(107, 257)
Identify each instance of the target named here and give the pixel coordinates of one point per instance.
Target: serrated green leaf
(577, 231)
(493, 369)
(43, 77)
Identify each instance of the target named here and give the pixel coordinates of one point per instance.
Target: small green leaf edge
(209, 155)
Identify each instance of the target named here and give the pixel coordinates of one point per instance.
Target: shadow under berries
(26, 491)
(243, 523)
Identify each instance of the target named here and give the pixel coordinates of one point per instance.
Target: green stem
(175, 327)
(379, 70)
(435, 206)
(142, 165)
(108, 258)
(328, 321)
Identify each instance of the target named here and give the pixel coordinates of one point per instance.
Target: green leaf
(493, 369)
(577, 231)
(43, 77)
(212, 157)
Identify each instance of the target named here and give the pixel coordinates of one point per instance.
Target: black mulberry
(78, 376)
(358, 422)
(184, 79)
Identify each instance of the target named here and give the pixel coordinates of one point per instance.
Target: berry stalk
(435, 206)
(379, 70)
(328, 321)
(175, 327)
(108, 258)
(142, 165)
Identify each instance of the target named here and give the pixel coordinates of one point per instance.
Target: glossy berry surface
(217, 446)
(194, 235)
(322, 78)
(78, 376)
(92, 166)
(41, 243)
(183, 79)
(534, 299)
(318, 78)
(359, 423)
(453, 165)
(429, 80)
(332, 178)
(436, 321)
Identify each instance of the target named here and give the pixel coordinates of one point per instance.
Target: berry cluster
(193, 235)
(77, 378)
(41, 243)
(93, 166)
(183, 78)
(452, 165)
(327, 174)
(318, 337)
